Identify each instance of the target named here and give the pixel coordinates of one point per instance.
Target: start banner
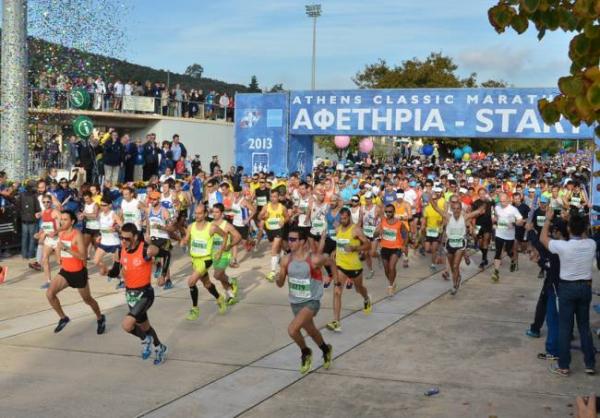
(457, 113)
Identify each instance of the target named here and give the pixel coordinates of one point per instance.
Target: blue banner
(300, 154)
(595, 189)
(261, 132)
(458, 113)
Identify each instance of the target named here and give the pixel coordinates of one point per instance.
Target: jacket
(113, 153)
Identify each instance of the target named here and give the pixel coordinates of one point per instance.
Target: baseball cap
(544, 199)
(437, 189)
(462, 190)
(355, 199)
(368, 195)
(154, 195)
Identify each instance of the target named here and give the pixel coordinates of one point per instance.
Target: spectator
(177, 148)
(138, 169)
(52, 152)
(99, 92)
(224, 104)
(130, 153)
(576, 257)
(209, 104)
(112, 156)
(178, 97)
(157, 94)
(164, 102)
(166, 158)
(73, 151)
(193, 109)
(168, 174)
(196, 165)
(28, 207)
(151, 157)
(180, 168)
(214, 164)
(86, 158)
(118, 97)
(201, 100)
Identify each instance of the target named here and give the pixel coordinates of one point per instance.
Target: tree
(277, 88)
(436, 70)
(253, 86)
(195, 71)
(327, 143)
(579, 100)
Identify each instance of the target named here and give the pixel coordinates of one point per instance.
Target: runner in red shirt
(73, 273)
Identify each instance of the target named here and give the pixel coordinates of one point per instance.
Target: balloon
(366, 145)
(466, 157)
(341, 141)
(482, 155)
(427, 149)
(468, 171)
(457, 153)
(467, 150)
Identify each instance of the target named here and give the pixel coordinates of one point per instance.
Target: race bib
(48, 227)
(92, 224)
(540, 220)
(432, 232)
(217, 243)
(576, 201)
(129, 217)
(389, 234)
(502, 225)
(332, 233)
(261, 200)
(66, 246)
(199, 248)
(299, 288)
(318, 225)
(273, 223)
(369, 231)
(342, 245)
(456, 241)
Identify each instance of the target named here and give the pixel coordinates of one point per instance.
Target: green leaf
(519, 23)
(551, 19)
(597, 131)
(541, 34)
(500, 17)
(530, 5)
(567, 20)
(591, 31)
(571, 86)
(579, 45)
(548, 111)
(593, 95)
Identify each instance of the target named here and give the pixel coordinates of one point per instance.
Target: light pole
(314, 11)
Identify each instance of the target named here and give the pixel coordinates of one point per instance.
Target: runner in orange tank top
(136, 262)
(390, 230)
(73, 273)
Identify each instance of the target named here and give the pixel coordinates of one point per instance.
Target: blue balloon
(458, 153)
(427, 149)
(467, 150)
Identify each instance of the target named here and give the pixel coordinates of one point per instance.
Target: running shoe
(513, 266)
(160, 354)
(3, 274)
(496, 275)
(222, 304)
(306, 362)
(547, 356)
(328, 357)
(557, 370)
(101, 325)
(35, 266)
(453, 290)
(405, 264)
(45, 285)
(147, 347)
(158, 270)
(168, 285)
(235, 287)
(481, 265)
(590, 371)
(446, 275)
(370, 275)
(334, 326)
(326, 283)
(391, 290)
(270, 277)
(120, 285)
(367, 306)
(422, 251)
(532, 334)
(467, 259)
(61, 324)
(433, 267)
(193, 314)
(231, 301)
(349, 284)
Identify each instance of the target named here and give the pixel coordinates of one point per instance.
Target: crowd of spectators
(50, 91)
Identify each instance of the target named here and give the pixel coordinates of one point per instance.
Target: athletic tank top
(107, 236)
(167, 203)
(348, 260)
(217, 241)
(355, 215)
(391, 234)
(305, 283)
(48, 222)
(369, 221)
(275, 217)
(157, 219)
(91, 223)
(67, 261)
(137, 271)
(303, 220)
(238, 213)
(132, 213)
(318, 218)
(201, 242)
(456, 231)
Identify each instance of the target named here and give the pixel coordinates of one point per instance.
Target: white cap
(339, 167)
(463, 190)
(437, 189)
(368, 186)
(470, 180)
(375, 190)
(368, 195)
(399, 195)
(450, 176)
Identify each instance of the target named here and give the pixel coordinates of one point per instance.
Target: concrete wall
(206, 138)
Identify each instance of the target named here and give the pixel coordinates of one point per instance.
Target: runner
(262, 195)
(370, 220)
(506, 217)
(349, 242)
(223, 248)
(243, 213)
(318, 219)
(199, 236)
(390, 230)
(403, 213)
(48, 234)
(305, 284)
(108, 242)
(159, 223)
(433, 217)
(483, 225)
(73, 273)
(274, 215)
(91, 228)
(137, 259)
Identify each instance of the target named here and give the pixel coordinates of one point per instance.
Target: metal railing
(59, 99)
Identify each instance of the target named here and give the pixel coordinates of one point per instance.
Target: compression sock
(213, 291)
(152, 333)
(194, 295)
(484, 252)
(329, 272)
(137, 331)
(324, 348)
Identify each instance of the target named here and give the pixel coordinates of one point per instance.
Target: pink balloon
(341, 141)
(366, 145)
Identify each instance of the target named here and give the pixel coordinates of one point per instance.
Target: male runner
(136, 260)
(390, 230)
(230, 284)
(305, 283)
(159, 224)
(73, 273)
(274, 214)
(350, 241)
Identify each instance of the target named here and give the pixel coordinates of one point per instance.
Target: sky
(272, 39)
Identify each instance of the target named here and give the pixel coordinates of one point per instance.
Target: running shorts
(139, 301)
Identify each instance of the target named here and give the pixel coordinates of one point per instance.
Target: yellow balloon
(466, 157)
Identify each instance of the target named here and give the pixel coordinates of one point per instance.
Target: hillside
(53, 58)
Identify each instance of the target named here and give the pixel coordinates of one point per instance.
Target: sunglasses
(104, 205)
(389, 212)
(128, 239)
(293, 239)
(47, 202)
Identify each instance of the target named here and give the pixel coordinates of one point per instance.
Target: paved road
(472, 346)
